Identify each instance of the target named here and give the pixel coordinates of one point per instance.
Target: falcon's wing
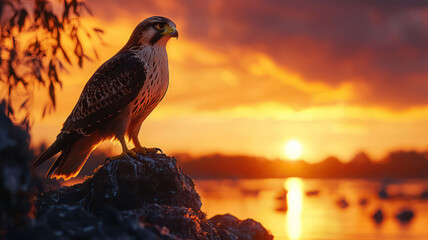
(112, 87)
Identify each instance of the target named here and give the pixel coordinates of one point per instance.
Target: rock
(232, 228)
(281, 198)
(363, 202)
(405, 215)
(383, 193)
(251, 192)
(17, 184)
(73, 222)
(183, 222)
(424, 194)
(143, 197)
(282, 195)
(378, 216)
(312, 193)
(342, 203)
(128, 183)
(282, 208)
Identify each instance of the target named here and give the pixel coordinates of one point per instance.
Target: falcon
(116, 100)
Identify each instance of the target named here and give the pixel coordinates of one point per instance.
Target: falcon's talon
(138, 149)
(147, 151)
(123, 154)
(132, 153)
(158, 149)
(111, 159)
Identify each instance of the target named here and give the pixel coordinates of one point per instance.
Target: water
(319, 216)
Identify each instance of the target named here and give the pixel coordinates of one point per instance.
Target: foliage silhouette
(39, 39)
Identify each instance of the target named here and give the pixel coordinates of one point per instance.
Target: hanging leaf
(83, 4)
(9, 109)
(78, 51)
(98, 30)
(13, 20)
(24, 103)
(52, 94)
(96, 54)
(44, 111)
(65, 55)
(22, 17)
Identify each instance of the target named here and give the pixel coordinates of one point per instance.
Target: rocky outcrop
(17, 183)
(129, 183)
(143, 197)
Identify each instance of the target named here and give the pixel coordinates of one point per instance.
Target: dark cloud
(382, 44)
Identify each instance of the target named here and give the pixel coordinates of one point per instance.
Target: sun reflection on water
(295, 205)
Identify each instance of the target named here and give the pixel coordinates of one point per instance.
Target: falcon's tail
(48, 153)
(60, 144)
(72, 158)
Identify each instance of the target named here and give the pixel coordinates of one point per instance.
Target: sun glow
(293, 149)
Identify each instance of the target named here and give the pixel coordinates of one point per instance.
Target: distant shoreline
(374, 179)
(397, 165)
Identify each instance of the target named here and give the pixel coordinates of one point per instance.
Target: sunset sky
(247, 76)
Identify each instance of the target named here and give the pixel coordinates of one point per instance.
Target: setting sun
(293, 149)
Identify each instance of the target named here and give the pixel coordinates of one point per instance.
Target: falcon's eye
(159, 26)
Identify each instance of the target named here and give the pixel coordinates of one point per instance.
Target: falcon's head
(153, 30)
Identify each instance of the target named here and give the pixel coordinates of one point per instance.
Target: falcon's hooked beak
(170, 31)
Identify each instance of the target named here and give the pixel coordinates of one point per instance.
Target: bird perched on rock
(116, 100)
